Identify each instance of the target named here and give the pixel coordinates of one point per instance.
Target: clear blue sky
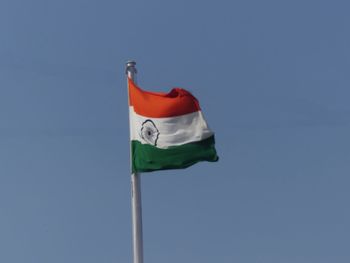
(273, 81)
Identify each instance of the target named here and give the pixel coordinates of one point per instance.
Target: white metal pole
(136, 205)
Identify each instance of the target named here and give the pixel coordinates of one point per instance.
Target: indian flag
(167, 130)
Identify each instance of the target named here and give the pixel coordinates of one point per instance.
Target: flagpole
(136, 205)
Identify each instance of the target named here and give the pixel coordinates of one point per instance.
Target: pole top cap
(130, 63)
(130, 66)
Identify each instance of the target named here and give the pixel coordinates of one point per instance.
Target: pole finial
(130, 66)
(131, 69)
(130, 63)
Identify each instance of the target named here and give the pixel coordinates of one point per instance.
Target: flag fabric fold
(167, 130)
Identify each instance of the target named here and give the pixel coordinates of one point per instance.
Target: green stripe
(147, 158)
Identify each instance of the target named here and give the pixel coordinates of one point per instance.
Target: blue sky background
(273, 81)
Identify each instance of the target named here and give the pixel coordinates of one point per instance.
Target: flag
(167, 130)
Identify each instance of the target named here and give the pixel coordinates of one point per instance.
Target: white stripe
(169, 131)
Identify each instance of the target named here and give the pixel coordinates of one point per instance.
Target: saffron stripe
(161, 105)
